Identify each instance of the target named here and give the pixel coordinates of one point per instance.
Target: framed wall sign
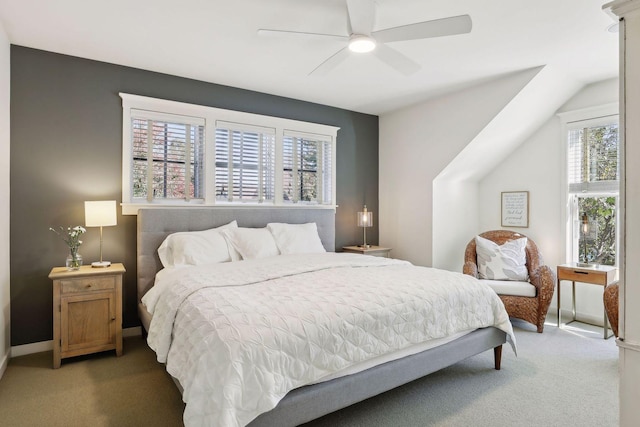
(515, 209)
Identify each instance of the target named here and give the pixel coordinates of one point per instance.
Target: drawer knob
(89, 285)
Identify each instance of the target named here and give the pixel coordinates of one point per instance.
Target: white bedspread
(239, 336)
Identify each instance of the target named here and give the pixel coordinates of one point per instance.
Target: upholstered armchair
(532, 308)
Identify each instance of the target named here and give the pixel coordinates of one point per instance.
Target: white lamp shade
(100, 213)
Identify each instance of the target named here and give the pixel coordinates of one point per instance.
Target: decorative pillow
(505, 262)
(252, 243)
(197, 247)
(296, 238)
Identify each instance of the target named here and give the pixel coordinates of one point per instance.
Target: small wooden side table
(371, 250)
(601, 275)
(87, 311)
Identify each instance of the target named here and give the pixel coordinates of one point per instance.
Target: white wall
(5, 331)
(416, 144)
(454, 205)
(537, 166)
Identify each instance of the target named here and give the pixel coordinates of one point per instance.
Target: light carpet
(563, 377)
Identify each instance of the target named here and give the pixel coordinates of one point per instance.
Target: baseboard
(3, 364)
(39, 347)
(627, 345)
(36, 347)
(132, 332)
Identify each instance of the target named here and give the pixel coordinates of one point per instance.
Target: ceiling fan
(363, 39)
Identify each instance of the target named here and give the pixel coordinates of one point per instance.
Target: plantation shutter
(307, 162)
(245, 163)
(168, 156)
(593, 159)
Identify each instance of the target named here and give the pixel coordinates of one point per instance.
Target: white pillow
(505, 262)
(252, 243)
(296, 238)
(197, 247)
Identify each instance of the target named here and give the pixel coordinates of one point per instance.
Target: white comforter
(239, 336)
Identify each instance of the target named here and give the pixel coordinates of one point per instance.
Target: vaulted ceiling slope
(516, 106)
(217, 41)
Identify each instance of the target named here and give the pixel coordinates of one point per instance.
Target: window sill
(132, 208)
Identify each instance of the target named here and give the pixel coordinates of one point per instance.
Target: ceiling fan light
(362, 44)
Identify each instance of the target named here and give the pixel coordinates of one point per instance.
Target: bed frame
(310, 402)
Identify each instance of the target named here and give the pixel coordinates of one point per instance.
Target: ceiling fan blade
(331, 63)
(361, 16)
(422, 30)
(284, 33)
(396, 60)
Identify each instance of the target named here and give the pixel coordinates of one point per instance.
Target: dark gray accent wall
(66, 147)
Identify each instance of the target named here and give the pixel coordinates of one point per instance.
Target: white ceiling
(216, 41)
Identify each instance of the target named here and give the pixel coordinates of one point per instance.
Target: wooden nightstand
(87, 311)
(371, 250)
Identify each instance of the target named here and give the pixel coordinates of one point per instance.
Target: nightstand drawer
(88, 284)
(585, 276)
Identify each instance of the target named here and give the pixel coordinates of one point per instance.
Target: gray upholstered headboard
(154, 225)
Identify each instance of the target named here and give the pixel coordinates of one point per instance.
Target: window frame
(571, 120)
(211, 117)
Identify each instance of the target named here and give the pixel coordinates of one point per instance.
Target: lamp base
(587, 264)
(364, 246)
(100, 264)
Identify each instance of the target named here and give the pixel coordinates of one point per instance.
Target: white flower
(71, 235)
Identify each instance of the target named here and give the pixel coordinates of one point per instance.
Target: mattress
(239, 336)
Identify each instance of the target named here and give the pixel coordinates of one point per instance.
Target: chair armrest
(544, 279)
(470, 268)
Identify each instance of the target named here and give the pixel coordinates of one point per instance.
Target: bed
(332, 392)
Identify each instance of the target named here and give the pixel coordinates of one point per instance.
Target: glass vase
(74, 260)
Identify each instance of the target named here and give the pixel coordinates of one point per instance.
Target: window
(306, 159)
(245, 163)
(167, 158)
(177, 154)
(593, 165)
(599, 240)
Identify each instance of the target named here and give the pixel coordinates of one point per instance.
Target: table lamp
(365, 220)
(100, 214)
(585, 230)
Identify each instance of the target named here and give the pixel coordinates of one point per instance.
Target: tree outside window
(600, 243)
